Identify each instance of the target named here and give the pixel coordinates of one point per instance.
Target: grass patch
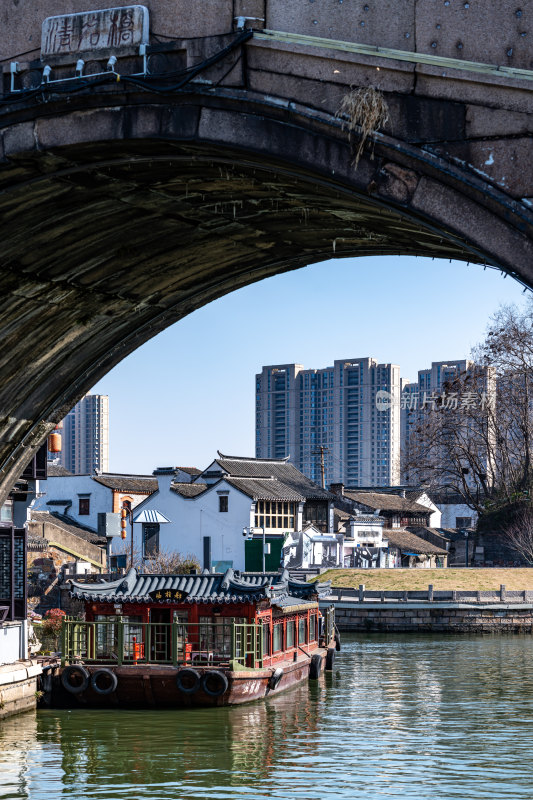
(418, 579)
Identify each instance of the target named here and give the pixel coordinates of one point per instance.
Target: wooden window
(223, 502)
(266, 639)
(84, 506)
(302, 630)
(275, 515)
(313, 628)
(150, 538)
(290, 633)
(277, 638)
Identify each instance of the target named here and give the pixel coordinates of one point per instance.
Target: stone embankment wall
(440, 611)
(18, 687)
(435, 617)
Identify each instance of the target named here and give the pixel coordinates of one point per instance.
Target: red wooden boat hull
(155, 686)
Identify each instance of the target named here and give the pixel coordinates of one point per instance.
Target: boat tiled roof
(404, 540)
(188, 489)
(207, 587)
(280, 469)
(142, 484)
(387, 502)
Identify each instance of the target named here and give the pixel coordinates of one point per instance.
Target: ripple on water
(411, 718)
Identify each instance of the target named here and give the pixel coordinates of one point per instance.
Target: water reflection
(401, 717)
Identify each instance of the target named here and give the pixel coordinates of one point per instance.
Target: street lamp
(249, 531)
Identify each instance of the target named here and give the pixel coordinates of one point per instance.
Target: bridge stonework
(135, 192)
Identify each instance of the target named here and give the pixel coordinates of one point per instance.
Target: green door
(253, 558)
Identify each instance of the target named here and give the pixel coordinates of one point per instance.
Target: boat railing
(120, 641)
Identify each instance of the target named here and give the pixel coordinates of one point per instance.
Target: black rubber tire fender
(188, 680)
(110, 681)
(315, 667)
(80, 674)
(214, 683)
(275, 678)
(337, 639)
(330, 658)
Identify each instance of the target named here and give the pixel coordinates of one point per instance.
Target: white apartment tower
(85, 440)
(350, 412)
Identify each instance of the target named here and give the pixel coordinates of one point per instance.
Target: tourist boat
(192, 640)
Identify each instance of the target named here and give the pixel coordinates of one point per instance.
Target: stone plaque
(110, 29)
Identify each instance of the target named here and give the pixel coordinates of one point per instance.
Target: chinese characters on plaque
(108, 29)
(168, 595)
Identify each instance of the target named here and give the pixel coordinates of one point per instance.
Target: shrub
(52, 622)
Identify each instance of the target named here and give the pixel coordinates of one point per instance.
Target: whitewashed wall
(69, 487)
(12, 641)
(192, 519)
(450, 512)
(435, 520)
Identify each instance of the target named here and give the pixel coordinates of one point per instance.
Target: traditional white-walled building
(207, 516)
(82, 497)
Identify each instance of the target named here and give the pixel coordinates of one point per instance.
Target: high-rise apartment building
(85, 440)
(418, 399)
(350, 412)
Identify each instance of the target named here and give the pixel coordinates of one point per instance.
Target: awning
(152, 516)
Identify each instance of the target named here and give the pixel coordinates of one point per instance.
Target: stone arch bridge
(158, 158)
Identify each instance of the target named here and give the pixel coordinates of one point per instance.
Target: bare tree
(518, 535)
(162, 562)
(476, 437)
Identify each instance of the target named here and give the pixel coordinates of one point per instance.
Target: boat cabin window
(107, 634)
(290, 633)
(215, 634)
(266, 639)
(313, 632)
(277, 637)
(302, 630)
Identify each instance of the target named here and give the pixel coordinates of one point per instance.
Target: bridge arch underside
(118, 221)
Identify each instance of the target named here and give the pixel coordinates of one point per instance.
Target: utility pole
(320, 452)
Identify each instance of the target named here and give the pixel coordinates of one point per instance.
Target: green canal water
(405, 717)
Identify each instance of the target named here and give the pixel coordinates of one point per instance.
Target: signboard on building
(169, 595)
(99, 32)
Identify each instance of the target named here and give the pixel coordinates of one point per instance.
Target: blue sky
(190, 391)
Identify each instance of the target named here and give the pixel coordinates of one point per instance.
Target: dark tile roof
(190, 470)
(433, 535)
(406, 541)
(36, 543)
(208, 587)
(266, 489)
(140, 484)
(69, 525)
(453, 534)
(387, 502)
(57, 471)
(188, 489)
(280, 469)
